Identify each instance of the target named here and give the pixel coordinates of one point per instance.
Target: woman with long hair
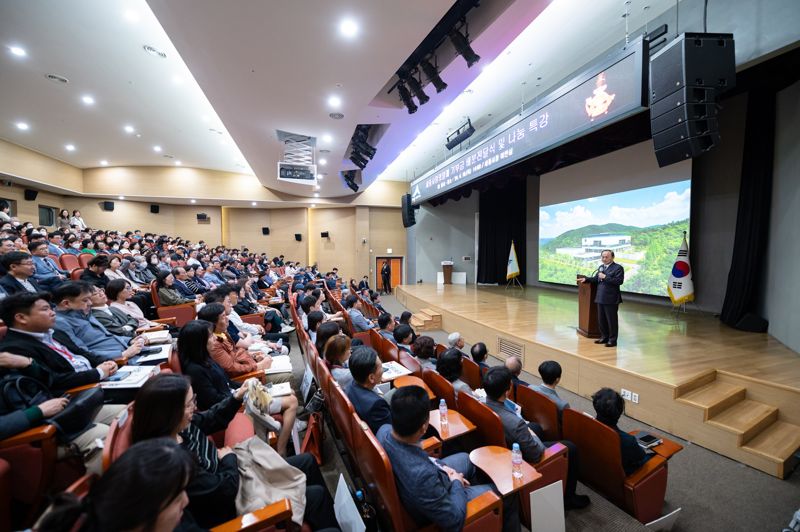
(325, 331)
(144, 489)
(63, 220)
(336, 354)
(167, 294)
(166, 407)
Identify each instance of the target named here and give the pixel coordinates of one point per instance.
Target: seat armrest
(36, 434)
(551, 452)
(79, 389)
(649, 467)
(265, 516)
(259, 374)
(253, 319)
(432, 446)
(166, 321)
(485, 503)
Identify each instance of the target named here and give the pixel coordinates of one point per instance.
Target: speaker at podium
(588, 325)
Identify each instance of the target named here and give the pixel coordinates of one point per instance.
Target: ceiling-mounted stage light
(433, 75)
(405, 96)
(364, 148)
(461, 44)
(358, 160)
(416, 88)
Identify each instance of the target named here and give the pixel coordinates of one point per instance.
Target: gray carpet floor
(714, 493)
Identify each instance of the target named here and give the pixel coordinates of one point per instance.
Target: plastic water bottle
(442, 412)
(367, 513)
(516, 461)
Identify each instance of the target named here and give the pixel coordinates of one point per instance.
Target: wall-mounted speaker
(298, 237)
(409, 217)
(108, 205)
(30, 195)
(265, 230)
(154, 209)
(324, 234)
(202, 217)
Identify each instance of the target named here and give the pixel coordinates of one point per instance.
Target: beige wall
(21, 162)
(385, 231)
(243, 228)
(338, 250)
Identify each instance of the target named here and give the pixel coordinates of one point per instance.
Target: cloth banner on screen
(513, 266)
(680, 285)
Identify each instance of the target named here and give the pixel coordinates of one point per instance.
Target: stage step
(421, 322)
(745, 419)
(778, 443)
(714, 398)
(436, 318)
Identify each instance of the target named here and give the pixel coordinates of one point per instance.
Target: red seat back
(537, 407)
(69, 262)
(84, 258)
(440, 386)
(488, 424)
(471, 373)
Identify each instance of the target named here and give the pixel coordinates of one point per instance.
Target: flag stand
(514, 283)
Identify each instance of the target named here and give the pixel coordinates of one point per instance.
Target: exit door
(396, 264)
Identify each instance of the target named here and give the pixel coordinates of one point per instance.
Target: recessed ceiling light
(177, 80)
(128, 129)
(193, 201)
(254, 204)
(131, 16)
(313, 205)
(348, 28)
(121, 197)
(316, 187)
(103, 163)
(316, 194)
(23, 126)
(138, 135)
(87, 99)
(327, 138)
(320, 176)
(157, 149)
(69, 147)
(334, 101)
(323, 162)
(204, 118)
(16, 50)
(178, 163)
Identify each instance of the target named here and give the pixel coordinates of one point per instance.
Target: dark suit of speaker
(608, 299)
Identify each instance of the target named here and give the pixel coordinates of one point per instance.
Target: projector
(303, 174)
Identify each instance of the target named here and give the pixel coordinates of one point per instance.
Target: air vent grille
(507, 348)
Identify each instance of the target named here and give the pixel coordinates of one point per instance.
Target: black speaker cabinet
(265, 230)
(108, 205)
(298, 237)
(30, 195)
(685, 130)
(324, 234)
(686, 149)
(684, 113)
(202, 217)
(154, 209)
(693, 59)
(407, 211)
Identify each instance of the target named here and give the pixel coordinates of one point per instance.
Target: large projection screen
(621, 201)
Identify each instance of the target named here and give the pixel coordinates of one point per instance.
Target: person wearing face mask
(73, 246)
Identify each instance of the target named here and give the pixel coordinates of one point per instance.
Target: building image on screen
(644, 228)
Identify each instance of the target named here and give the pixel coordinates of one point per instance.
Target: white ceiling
(272, 65)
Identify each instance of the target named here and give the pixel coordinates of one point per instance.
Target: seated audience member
(20, 268)
(30, 321)
(88, 246)
(386, 325)
(165, 407)
(76, 325)
(315, 318)
(337, 354)
(113, 319)
(497, 383)
(402, 337)
(324, 332)
(353, 306)
(235, 360)
(95, 271)
(432, 491)
(55, 243)
(514, 365)
(550, 371)
(367, 370)
(153, 473)
(424, 348)
(479, 352)
(114, 270)
(375, 298)
(364, 283)
(46, 271)
(456, 341)
(450, 367)
(241, 332)
(168, 295)
(73, 245)
(609, 406)
(195, 281)
(119, 293)
(212, 385)
(179, 284)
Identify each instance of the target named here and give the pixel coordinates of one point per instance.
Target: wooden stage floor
(653, 341)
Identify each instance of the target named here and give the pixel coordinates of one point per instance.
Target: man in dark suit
(610, 406)
(386, 278)
(608, 279)
(367, 371)
(20, 273)
(30, 321)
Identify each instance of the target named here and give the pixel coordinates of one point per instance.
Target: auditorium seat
(471, 373)
(183, 313)
(484, 513)
(265, 518)
(84, 258)
(75, 274)
(640, 494)
(440, 348)
(552, 465)
(440, 386)
(409, 362)
(5, 496)
(174, 365)
(539, 409)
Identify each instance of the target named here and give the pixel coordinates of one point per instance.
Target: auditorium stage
(734, 392)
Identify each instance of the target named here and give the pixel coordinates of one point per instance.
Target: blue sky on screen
(641, 208)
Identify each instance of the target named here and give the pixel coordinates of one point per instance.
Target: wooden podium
(587, 310)
(447, 272)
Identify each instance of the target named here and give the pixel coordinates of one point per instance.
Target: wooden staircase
(740, 426)
(426, 320)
